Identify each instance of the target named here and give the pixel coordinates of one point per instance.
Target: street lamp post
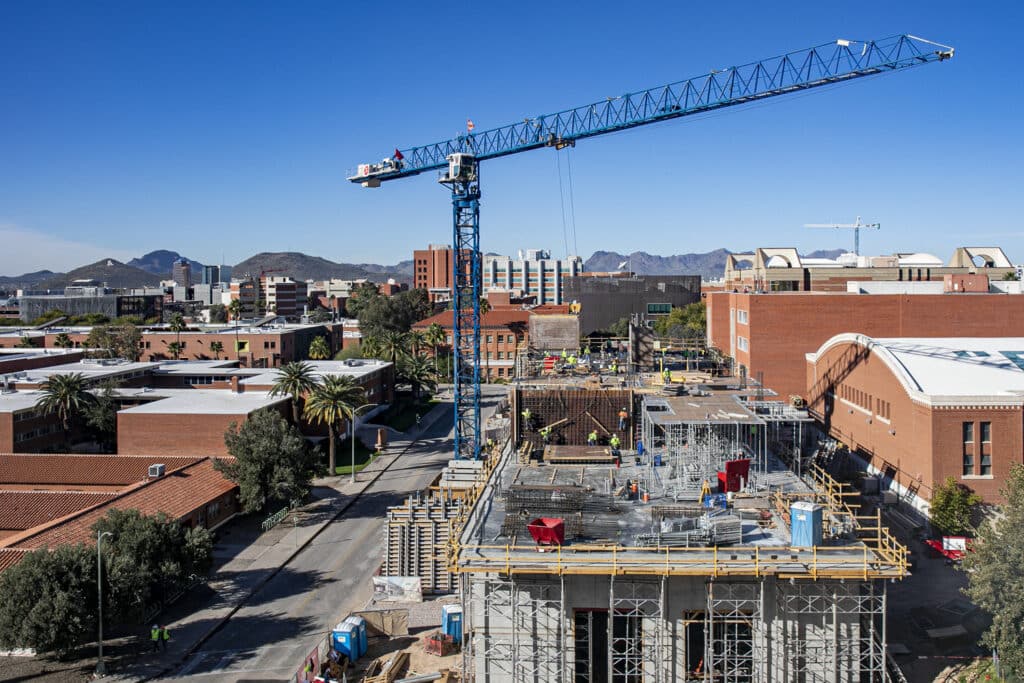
(101, 668)
(353, 416)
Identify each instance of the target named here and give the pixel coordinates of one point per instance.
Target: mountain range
(148, 270)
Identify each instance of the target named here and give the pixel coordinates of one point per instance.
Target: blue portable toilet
(657, 460)
(639, 447)
(451, 622)
(359, 624)
(805, 523)
(345, 638)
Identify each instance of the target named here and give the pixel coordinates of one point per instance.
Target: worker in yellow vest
(545, 434)
(592, 438)
(615, 442)
(154, 635)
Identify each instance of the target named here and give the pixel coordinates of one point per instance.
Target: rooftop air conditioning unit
(156, 471)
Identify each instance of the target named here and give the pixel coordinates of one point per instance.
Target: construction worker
(545, 434)
(666, 376)
(490, 444)
(565, 355)
(592, 438)
(615, 442)
(615, 368)
(154, 635)
(586, 352)
(623, 417)
(165, 635)
(527, 416)
(572, 360)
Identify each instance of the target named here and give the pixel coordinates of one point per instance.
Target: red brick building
(918, 410)
(501, 332)
(432, 271)
(771, 333)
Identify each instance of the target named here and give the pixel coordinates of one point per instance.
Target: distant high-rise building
(211, 275)
(432, 271)
(534, 273)
(181, 273)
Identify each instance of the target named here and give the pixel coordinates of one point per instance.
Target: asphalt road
(267, 639)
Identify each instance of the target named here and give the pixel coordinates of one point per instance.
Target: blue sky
(228, 128)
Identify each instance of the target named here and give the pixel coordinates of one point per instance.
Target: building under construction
(690, 553)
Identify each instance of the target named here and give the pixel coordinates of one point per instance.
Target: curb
(265, 580)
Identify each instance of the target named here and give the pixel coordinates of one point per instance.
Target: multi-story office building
(181, 273)
(532, 274)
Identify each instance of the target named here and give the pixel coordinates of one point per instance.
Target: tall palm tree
(67, 396)
(485, 305)
(318, 349)
(393, 345)
(336, 397)
(235, 309)
(177, 326)
(295, 380)
(216, 348)
(435, 336)
(417, 372)
(175, 349)
(63, 341)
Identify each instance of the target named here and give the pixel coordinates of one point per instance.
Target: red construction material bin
(547, 530)
(736, 472)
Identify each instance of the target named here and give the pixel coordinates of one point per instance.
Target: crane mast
(459, 159)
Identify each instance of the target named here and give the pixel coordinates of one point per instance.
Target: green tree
(318, 349)
(336, 396)
(174, 348)
(393, 345)
(25, 343)
(619, 328)
(360, 298)
(418, 372)
(216, 348)
(63, 341)
(114, 341)
(101, 416)
(50, 315)
(49, 599)
(177, 326)
(218, 313)
(485, 305)
(435, 337)
(273, 463)
(149, 559)
(995, 580)
(396, 313)
(352, 351)
(67, 396)
(1010, 276)
(295, 380)
(681, 323)
(951, 507)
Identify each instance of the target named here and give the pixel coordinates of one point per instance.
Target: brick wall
(176, 433)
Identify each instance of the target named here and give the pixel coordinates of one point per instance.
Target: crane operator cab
(461, 169)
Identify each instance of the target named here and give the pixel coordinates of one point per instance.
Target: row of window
(855, 396)
(27, 415)
(501, 355)
(883, 409)
(197, 381)
(36, 433)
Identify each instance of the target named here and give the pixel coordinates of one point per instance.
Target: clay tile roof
(176, 494)
(10, 557)
(82, 470)
(502, 317)
(20, 510)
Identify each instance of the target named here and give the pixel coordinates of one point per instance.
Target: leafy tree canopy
(101, 415)
(272, 462)
(951, 507)
(319, 349)
(995, 580)
(149, 559)
(393, 314)
(114, 341)
(218, 313)
(619, 328)
(689, 321)
(49, 600)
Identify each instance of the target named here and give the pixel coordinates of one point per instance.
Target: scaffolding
(636, 631)
(734, 614)
(835, 631)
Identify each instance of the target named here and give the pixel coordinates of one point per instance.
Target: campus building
(533, 273)
(919, 410)
(605, 300)
(503, 333)
(432, 271)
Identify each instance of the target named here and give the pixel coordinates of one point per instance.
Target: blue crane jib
(826, 64)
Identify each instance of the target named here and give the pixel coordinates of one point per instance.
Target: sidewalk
(246, 558)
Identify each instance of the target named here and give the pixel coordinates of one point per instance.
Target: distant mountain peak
(161, 261)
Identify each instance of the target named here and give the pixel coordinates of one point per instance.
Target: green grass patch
(364, 456)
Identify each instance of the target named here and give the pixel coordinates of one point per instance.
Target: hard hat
(155, 626)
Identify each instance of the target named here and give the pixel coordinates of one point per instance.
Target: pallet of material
(578, 455)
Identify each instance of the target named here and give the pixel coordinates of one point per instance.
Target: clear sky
(228, 128)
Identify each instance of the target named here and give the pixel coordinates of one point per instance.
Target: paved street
(267, 638)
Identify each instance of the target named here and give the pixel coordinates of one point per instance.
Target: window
(986, 432)
(490, 355)
(741, 343)
(501, 372)
(659, 309)
(968, 463)
(968, 432)
(501, 355)
(986, 464)
(489, 338)
(741, 317)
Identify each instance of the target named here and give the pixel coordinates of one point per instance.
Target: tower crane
(856, 230)
(459, 159)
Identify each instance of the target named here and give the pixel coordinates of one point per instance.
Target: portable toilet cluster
(451, 622)
(349, 638)
(805, 521)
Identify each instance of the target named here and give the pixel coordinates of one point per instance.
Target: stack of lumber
(415, 540)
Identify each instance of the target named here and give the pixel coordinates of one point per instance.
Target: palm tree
(336, 397)
(417, 372)
(25, 343)
(235, 310)
(318, 349)
(63, 341)
(295, 380)
(177, 326)
(417, 340)
(393, 345)
(485, 305)
(216, 348)
(175, 349)
(435, 336)
(65, 395)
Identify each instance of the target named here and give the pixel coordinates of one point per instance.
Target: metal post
(101, 668)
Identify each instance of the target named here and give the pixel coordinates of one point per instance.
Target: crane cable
(561, 196)
(571, 222)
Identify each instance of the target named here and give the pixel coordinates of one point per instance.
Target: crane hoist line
(459, 159)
